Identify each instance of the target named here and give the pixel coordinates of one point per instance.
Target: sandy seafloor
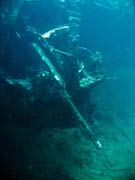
(66, 154)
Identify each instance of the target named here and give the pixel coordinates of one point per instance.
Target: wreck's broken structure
(45, 77)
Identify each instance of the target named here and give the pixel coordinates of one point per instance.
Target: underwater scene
(67, 89)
